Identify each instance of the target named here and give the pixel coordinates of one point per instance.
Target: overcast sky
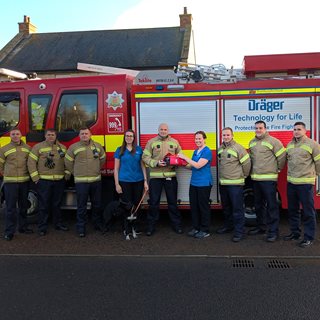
(225, 30)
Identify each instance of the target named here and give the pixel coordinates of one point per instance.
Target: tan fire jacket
(303, 161)
(39, 156)
(268, 158)
(155, 150)
(13, 162)
(84, 161)
(234, 163)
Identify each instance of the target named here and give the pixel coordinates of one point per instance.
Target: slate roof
(130, 48)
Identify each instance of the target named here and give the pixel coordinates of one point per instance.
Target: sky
(224, 30)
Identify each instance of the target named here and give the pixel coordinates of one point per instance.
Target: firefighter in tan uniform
(47, 171)
(268, 158)
(162, 176)
(303, 156)
(13, 168)
(84, 160)
(234, 167)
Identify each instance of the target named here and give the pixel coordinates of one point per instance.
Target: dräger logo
(264, 105)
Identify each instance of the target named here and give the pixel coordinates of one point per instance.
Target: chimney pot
(26, 27)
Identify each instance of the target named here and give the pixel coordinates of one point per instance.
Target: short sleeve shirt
(130, 165)
(202, 177)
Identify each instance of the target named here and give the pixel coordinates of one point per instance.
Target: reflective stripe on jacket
(303, 161)
(234, 163)
(268, 158)
(38, 158)
(84, 161)
(156, 149)
(13, 162)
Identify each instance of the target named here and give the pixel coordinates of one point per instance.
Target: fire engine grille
(277, 264)
(242, 263)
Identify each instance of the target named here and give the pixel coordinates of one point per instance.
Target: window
(76, 110)
(9, 110)
(38, 111)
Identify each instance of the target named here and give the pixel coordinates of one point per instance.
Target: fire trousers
(301, 193)
(232, 204)
(16, 193)
(266, 205)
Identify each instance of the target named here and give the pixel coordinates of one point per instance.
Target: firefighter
(162, 176)
(84, 160)
(303, 156)
(234, 167)
(13, 168)
(268, 158)
(47, 171)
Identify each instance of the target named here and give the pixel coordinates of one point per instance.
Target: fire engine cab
(67, 104)
(278, 89)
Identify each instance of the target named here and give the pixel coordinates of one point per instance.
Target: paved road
(167, 276)
(158, 288)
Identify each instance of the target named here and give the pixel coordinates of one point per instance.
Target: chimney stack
(26, 27)
(185, 19)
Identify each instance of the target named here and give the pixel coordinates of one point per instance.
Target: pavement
(164, 242)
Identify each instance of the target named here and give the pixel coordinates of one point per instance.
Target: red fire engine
(278, 89)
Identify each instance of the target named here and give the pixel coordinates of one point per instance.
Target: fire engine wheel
(32, 213)
(249, 210)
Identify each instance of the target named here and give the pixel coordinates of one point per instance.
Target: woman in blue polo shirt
(200, 186)
(129, 171)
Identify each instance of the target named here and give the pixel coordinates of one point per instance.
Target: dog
(124, 210)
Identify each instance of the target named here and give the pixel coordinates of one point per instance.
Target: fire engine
(278, 89)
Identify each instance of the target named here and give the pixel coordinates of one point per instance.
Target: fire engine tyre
(33, 204)
(249, 210)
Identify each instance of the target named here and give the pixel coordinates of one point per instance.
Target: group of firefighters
(268, 157)
(49, 164)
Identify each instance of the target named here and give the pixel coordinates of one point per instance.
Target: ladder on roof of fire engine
(15, 75)
(214, 74)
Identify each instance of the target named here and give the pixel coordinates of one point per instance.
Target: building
(56, 54)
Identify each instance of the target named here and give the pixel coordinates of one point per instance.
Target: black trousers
(302, 193)
(50, 195)
(265, 192)
(200, 207)
(232, 204)
(84, 191)
(131, 191)
(16, 193)
(170, 186)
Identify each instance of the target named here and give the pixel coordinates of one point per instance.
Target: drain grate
(277, 264)
(242, 263)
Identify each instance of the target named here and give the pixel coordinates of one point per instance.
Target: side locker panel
(279, 114)
(184, 119)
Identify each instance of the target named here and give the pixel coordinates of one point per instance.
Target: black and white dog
(125, 211)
